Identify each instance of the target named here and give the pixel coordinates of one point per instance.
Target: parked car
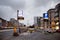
(50, 30)
(58, 30)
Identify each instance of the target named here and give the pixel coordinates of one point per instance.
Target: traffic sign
(45, 15)
(20, 15)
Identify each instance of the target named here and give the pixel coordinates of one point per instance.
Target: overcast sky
(30, 8)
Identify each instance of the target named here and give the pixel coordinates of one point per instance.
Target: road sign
(20, 15)
(20, 18)
(45, 15)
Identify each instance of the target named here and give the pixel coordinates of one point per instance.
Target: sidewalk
(6, 30)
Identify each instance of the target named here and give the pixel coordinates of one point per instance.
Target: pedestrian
(19, 30)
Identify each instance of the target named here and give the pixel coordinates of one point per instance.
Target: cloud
(16, 4)
(44, 3)
(30, 8)
(6, 12)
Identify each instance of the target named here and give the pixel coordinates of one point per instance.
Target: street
(8, 35)
(29, 19)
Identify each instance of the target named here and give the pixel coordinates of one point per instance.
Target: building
(51, 18)
(56, 19)
(9, 24)
(3, 23)
(37, 21)
(14, 22)
(41, 22)
(57, 15)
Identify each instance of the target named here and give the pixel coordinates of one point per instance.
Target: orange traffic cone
(15, 29)
(15, 32)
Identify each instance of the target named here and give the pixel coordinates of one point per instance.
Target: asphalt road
(8, 35)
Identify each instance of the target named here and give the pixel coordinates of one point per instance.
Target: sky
(31, 8)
